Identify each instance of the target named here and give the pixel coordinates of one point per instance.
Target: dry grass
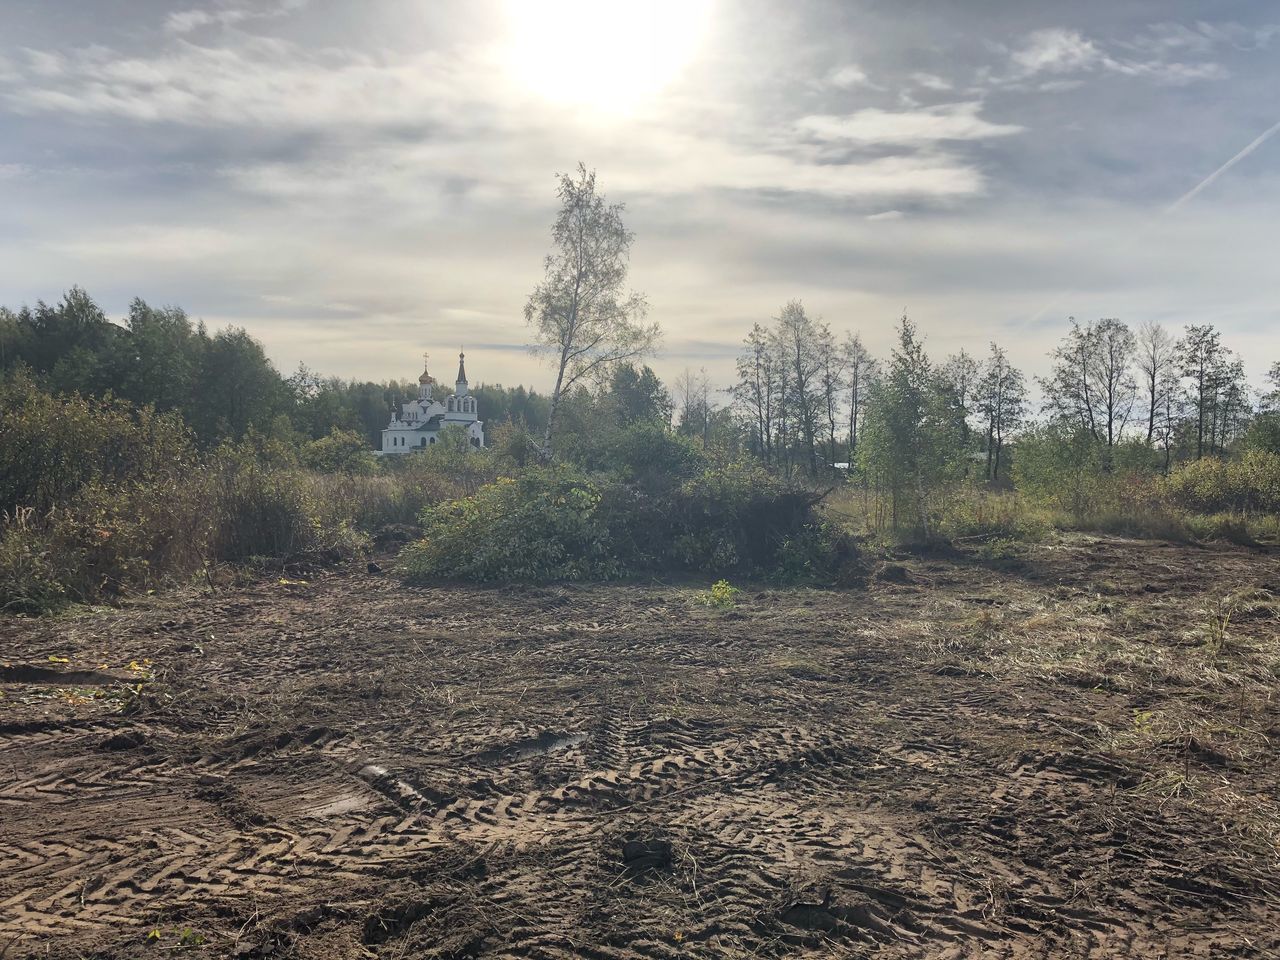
(1185, 680)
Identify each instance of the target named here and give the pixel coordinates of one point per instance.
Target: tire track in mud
(761, 792)
(764, 843)
(322, 836)
(442, 773)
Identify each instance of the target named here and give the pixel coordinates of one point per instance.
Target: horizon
(355, 188)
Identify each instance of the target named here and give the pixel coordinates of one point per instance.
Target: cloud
(1057, 51)
(848, 76)
(257, 82)
(331, 188)
(227, 14)
(1173, 73)
(46, 65)
(1202, 38)
(148, 244)
(931, 81)
(385, 126)
(660, 161)
(927, 125)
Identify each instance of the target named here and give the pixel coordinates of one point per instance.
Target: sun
(607, 55)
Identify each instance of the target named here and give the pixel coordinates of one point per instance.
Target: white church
(419, 422)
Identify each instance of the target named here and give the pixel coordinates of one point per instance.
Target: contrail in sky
(1263, 138)
(1173, 207)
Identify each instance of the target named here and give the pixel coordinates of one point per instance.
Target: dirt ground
(1066, 752)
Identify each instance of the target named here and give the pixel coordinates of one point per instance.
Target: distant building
(419, 422)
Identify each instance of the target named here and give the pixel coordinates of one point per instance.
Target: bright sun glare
(609, 55)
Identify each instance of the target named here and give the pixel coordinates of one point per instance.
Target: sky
(358, 183)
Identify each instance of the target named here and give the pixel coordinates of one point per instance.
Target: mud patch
(549, 741)
(26, 673)
(644, 855)
(400, 792)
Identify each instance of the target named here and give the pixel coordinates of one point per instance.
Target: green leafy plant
(544, 525)
(722, 595)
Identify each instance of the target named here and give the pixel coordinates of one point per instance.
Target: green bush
(973, 514)
(722, 595)
(28, 578)
(342, 451)
(130, 536)
(652, 457)
(1264, 433)
(735, 515)
(559, 522)
(545, 524)
(52, 446)
(102, 499)
(819, 550)
(260, 511)
(1250, 484)
(1059, 469)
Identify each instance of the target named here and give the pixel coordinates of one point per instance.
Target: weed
(1218, 612)
(190, 938)
(722, 595)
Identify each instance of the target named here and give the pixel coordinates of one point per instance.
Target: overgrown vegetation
(101, 498)
(664, 506)
(143, 452)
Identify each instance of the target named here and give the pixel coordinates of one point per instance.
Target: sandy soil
(1038, 756)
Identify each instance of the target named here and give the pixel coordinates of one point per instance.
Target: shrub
(1059, 468)
(1264, 433)
(820, 550)
(652, 457)
(129, 536)
(735, 515)
(342, 451)
(561, 523)
(52, 446)
(970, 514)
(28, 579)
(259, 511)
(544, 525)
(1210, 485)
(722, 595)
(104, 499)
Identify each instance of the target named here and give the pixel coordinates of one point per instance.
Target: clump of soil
(893, 573)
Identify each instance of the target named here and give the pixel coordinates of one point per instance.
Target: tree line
(222, 383)
(806, 400)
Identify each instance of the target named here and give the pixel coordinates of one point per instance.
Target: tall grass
(111, 540)
(1236, 501)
